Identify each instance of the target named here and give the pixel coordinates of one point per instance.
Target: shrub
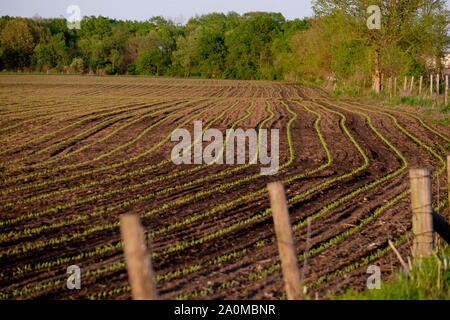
(77, 65)
(131, 68)
(154, 62)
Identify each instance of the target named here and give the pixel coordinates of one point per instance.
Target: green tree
(211, 53)
(136, 43)
(41, 57)
(93, 50)
(96, 26)
(285, 63)
(411, 31)
(18, 39)
(58, 51)
(154, 62)
(186, 54)
(249, 47)
(115, 58)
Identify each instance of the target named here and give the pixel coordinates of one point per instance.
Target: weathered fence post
(431, 86)
(446, 92)
(422, 219)
(285, 241)
(404, 85)
(411, 87)
(420, 85)
(437, 88)
(395, 86)
(390, 87)
(448, 184)
(138, 261)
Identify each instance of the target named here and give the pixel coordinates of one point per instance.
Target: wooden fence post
(285, 241)
(404, 85)
(446, 92)
(395, 86)
(138, 261)
(390, 87)
(422, 219)
(437, 88)
(411, 87)
(448, 184)
(431, 86)
(420, 85)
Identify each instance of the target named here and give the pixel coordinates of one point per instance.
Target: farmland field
(78, 151)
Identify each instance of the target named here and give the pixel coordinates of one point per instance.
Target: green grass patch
(444, 121)
(412, 101)
(428, 280)
(346, 92)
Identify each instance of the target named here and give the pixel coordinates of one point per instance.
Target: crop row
(160, 109)
(258, 216)
(120, 266)
(338, 238)
(125, 203)
(40, 173)
(364, 222)
(292, 119)
(195, 268)
(161, 208)
(414, 138)
(262, 124)
(107, 247)
(52, 114)
(111, 192)
(109, 111)
(108, 193)
(114, 165)
(271, 115)
(208, 237)
(276, 267)
(71, 108)
(112, 151)
(112, 120)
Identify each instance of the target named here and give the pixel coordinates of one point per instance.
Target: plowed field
(76, 152)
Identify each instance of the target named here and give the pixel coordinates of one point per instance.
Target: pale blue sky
(179, 10)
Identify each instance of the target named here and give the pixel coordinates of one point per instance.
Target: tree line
(335, 43)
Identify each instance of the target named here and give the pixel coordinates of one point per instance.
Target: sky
(178, 10)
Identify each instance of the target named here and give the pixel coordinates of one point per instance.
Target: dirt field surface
(76, 152)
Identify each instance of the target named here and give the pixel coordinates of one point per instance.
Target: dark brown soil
(53, 195)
